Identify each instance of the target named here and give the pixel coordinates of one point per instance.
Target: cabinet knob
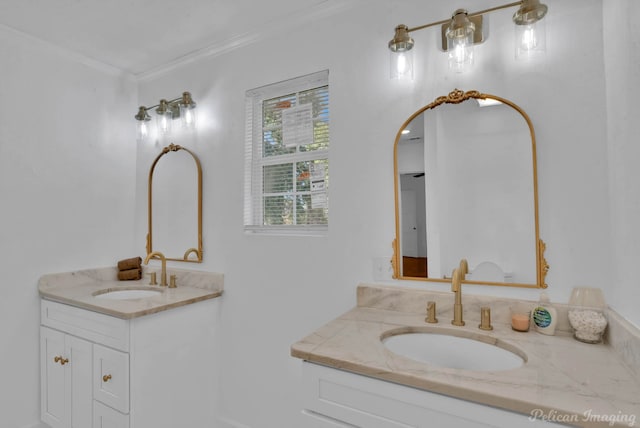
(106, 378)
(61, 360)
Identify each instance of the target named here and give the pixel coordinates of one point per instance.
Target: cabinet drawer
(106, 417)
(111, 377)
(335, 396)
(111, 331)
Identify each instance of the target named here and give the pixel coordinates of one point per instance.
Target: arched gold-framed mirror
(178, 206)
(466, 186)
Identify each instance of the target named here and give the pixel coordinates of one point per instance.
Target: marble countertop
(589, 385)
(80, 287)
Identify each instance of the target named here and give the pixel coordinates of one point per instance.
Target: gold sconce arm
(470, 14)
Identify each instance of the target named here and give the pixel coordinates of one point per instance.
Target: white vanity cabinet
(100, 371)
(338, 399)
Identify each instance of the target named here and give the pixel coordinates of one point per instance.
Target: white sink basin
(128, 294)
(455, 352)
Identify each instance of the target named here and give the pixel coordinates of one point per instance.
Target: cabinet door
(111, 377)
(78, 374)
(65, 372)
(53, 388)
(106, 417)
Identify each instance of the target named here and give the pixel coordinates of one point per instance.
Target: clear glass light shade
(142, 130)
(460, 49)
(401, 65)
(187, 117)
(531, 40)
(460, 40)
(164, 122)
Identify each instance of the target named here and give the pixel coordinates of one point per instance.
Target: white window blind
(286, 156)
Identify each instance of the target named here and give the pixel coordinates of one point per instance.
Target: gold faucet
(457, 277)
(163, 274)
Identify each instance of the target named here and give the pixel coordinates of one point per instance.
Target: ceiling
(139, 36)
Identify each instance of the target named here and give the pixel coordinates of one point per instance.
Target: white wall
(278, 289)
(67, 168)
(622, 62)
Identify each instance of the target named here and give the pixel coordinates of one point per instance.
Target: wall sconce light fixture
(464, 30)
(182, 107)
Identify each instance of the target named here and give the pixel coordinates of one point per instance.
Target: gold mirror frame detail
(197, 251)
(457, 96)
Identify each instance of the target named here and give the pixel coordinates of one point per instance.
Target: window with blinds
(286, 156)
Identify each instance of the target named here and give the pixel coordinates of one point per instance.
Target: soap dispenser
(545, 316)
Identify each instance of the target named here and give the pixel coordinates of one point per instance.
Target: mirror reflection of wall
(414, 223)
(175, 203)
(484, 177)
(411, 169)
(175, 224)
(466, 182)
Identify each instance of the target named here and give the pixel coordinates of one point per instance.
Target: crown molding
(66, 53)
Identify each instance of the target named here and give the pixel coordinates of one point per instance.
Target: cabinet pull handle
(106, 378)
(61, 360)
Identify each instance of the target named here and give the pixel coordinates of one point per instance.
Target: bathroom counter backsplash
(78, 289)
(562, 376)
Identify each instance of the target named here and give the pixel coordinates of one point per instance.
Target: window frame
(254, 195)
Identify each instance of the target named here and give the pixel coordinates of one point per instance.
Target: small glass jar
(520, 317)
(587, 314)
